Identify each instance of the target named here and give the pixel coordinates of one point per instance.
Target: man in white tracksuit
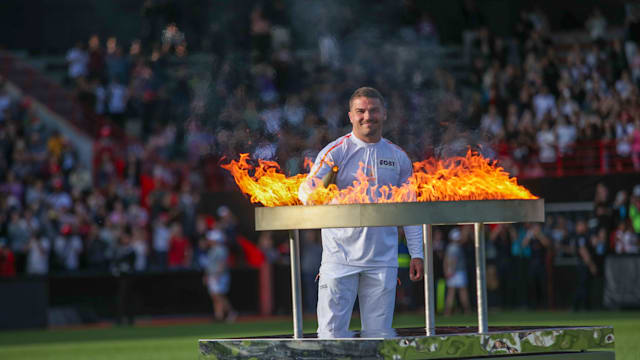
(362, 261)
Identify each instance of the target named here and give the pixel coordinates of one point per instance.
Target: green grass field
(180, 341)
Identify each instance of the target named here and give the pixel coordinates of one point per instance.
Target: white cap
(455, 235)
(215, 235)
(223, 211)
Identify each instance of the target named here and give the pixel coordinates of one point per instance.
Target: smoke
(424, 110)
(339, 46)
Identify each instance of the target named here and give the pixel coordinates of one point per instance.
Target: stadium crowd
(543, 101)
(532, 102)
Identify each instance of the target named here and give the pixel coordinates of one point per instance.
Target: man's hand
(416, 269)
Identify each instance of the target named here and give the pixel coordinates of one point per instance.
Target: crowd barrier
(621, 279)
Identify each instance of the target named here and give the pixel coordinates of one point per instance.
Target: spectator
(625, 240)
(7, 261)
(562, 245)
(566, 134)
(266, 245)
(634, 209)
(544, 103)
(621, 207)
(217, 277)
(455, 272)
(5, 99)
(228, 223)
(172, 37)
(122, 266)
(117, 64)
(124, 257)
(538, 243)
(310, 268)
(547, 142)
(96, 58)
(67, 248)
(97, 251)
(603, 213)
(502, 236)
(600, 245)
(117, 94)
(38, 255)
(635, 144)
(179, 256)
(78, 61)
(587, 268)
(59, 199)
(491, 123)
(160, 242)
(596, 24)
(624, 131)
(18, 234)
(140, 248)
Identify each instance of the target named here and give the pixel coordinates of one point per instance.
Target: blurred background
(115, 117)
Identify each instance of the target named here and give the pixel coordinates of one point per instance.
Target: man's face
(367, 116)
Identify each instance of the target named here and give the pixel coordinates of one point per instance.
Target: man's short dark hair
(367, 92)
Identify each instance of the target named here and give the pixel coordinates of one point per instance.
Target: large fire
(469, 177)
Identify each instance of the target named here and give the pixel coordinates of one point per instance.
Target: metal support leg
(481, 278)
(296, 293)
(429, 303)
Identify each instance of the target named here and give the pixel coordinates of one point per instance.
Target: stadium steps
(31, 76)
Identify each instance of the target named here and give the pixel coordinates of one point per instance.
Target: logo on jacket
(386, 163)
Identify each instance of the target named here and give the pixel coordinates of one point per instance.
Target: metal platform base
(412, 343)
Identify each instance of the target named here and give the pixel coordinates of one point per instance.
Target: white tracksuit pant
(376, 291)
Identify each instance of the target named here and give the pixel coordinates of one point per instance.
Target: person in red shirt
(179, 248)
(7, 260)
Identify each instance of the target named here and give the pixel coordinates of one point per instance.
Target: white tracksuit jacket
(387, 164)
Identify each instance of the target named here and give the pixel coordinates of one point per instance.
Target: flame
(268, 185)
(470, 177)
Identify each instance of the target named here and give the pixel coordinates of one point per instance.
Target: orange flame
(471, 177)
